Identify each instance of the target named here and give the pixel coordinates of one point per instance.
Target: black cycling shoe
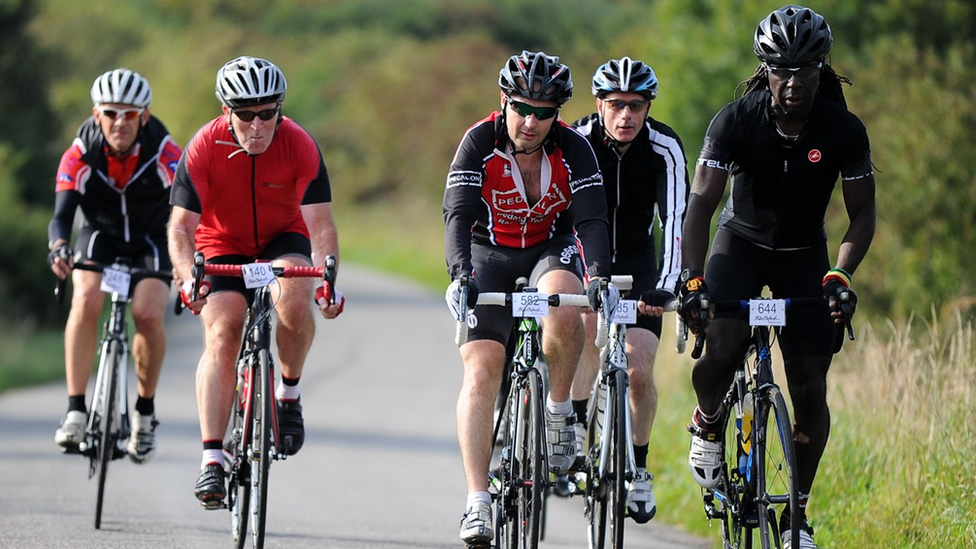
(291, 426)
(210, 488)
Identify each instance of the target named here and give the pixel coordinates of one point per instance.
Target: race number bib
(626, 312)
(114, 281)
(257, 275)
(767, 312)
(530, 305)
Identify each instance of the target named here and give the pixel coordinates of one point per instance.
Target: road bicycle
(610, 448)
(521, 476)
(252, 440)
(758, 483)
(108, 428)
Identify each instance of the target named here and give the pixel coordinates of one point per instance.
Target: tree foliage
(388, 88)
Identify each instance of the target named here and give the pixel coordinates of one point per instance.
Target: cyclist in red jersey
(119, 171)
(251, 185)
(521, 187)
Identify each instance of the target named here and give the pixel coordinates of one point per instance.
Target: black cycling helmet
(247, 81)
(625, 75)
(536, 76)
(792, 36)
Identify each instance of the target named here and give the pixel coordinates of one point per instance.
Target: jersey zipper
(254, 202)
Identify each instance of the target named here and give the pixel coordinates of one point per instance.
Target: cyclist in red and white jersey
(251, 185)
(119, 171)
(783, 144)
(520, 189)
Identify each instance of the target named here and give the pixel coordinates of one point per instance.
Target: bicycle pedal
(485, 545)
(73, 450)
(213, 505)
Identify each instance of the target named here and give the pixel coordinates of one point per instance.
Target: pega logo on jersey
(814, 155)
(568, 254)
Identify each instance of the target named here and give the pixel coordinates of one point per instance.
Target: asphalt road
(380, 467)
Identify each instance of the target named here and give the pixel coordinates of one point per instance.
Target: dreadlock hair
(830, 83)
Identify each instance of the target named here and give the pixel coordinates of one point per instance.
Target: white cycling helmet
(122, 86)
(247, 81)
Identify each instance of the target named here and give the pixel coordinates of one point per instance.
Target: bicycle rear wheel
(595, 494)
(616, 471)
(261, 446)
(776, 478)
(239, 443)
(107, 435)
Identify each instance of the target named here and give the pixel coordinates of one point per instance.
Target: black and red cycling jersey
(650, 178)
(485, 200)
(247, 200)
(781, 187)
(125, 199)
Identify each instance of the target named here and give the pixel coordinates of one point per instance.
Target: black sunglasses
(541, 113)
(248, 116)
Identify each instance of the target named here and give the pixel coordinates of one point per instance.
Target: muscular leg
(81, 330)
(483, 364)
(562, 336)
(641, 350)
(589, 362)
(726, 345)
(296, 323)
(149, 344)
(223, 320)
(807, 379)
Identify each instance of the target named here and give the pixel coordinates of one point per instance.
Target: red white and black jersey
(485, 198)
(125, 199)
(781, 187)
(244, 200)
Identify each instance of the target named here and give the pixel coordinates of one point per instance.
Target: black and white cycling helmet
(625, 75)
(122, 86)
(792, 36)
(247, 81)
(536, 75)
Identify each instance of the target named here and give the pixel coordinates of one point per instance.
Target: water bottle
(745, 430)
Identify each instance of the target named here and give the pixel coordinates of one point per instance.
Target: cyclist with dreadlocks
(644, 175)
(119, 171)
(521, 186)
(252, 185)
(784, 144)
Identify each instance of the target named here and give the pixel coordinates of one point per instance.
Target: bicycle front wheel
(261, 446)
(777, 490)
(529, 466)
(595, 494)
(239, 443)
(107, 436)
(616, 472)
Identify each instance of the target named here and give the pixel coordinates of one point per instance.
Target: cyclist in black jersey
(521, 187)
(644, 176)
(118, 171)
(783, 144)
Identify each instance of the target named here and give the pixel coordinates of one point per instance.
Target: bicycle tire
(777, 485)
(261, 446)
(734, 483)
(239, 480)
(595, 494)
(530, 445)
(107, 435)
(616, 471)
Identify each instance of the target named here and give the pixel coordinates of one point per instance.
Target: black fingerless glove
(837, 284)
(593, 291)
(61, 250)
(656, 298)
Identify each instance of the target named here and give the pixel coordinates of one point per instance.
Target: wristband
(838, 274)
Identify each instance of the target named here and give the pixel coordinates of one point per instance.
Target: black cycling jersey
(781, 187)
(484, 200)
(649, 178)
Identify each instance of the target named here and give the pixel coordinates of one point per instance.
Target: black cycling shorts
(739, 269)
(285, 244)
(497, 268)
(645, 274)
(150, 252)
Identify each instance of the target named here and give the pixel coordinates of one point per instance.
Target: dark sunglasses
(804, 72)
(541, 113)
(127, 114)
(619, 104)
(248, 116)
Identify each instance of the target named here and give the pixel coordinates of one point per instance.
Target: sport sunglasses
(248, 116)
(524, 109)
(127, 114)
